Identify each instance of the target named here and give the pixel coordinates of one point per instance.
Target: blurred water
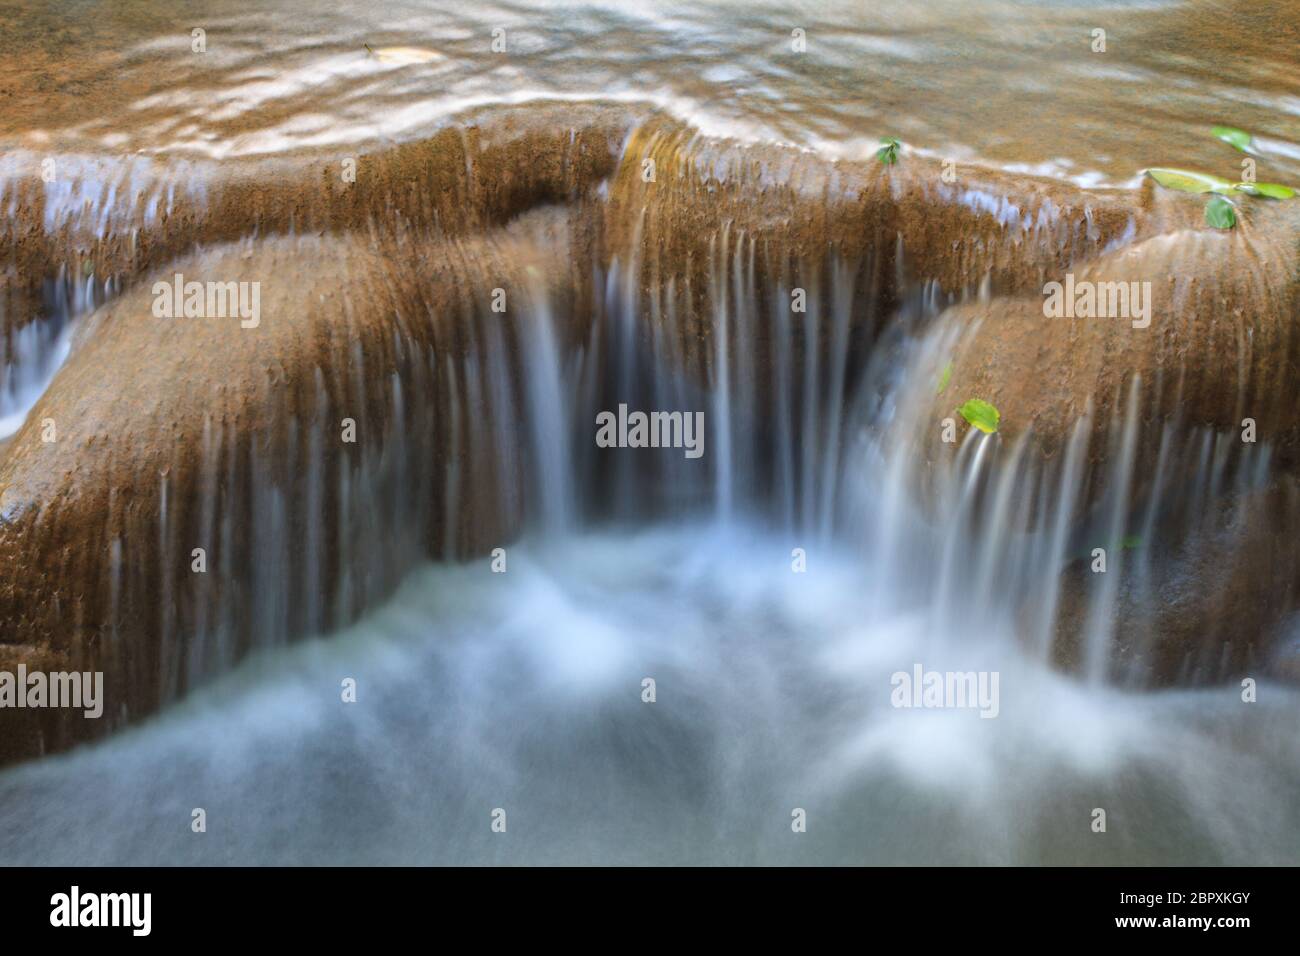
(772, 638)
(1009, 82)
(32, 351)
(522, 691)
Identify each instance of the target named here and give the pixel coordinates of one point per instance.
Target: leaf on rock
(1190, 182)
(981, 414)
(1220, 213)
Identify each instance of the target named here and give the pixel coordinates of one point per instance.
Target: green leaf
(981, 414)
(1189, 182)
(888, 152)
(1131, 542)
(1236, 138)
(944, 378)
(1271, 190)
(1220, 213)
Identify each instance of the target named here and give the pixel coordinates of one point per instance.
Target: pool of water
(522, 691)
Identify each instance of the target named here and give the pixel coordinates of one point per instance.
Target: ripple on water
(1011, 83)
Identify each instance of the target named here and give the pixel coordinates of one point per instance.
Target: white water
(34, 348)
(523, 690)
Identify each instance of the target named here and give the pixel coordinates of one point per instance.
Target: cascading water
(494, 243)
(769, 589)
(31, 350)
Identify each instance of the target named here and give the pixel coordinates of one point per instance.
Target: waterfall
(549, 419)
(33, 346)
(597, 453)
(826, 540)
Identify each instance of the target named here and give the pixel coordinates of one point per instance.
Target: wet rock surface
(163, 434)
(284, 446)
(1193, 607)
(1217, 343)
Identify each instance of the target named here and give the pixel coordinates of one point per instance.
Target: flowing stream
(482, 690)
(769, 589)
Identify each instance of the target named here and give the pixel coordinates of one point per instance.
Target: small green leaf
(1271, 190)
(1220, 213)
(1189, 182)
(1131, 542)
(888, 152)
(1236, 138)
(981, 414)
(944, 378)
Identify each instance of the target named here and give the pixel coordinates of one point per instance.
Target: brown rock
(179, 433)
(1197, 606)
(1221, 345)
